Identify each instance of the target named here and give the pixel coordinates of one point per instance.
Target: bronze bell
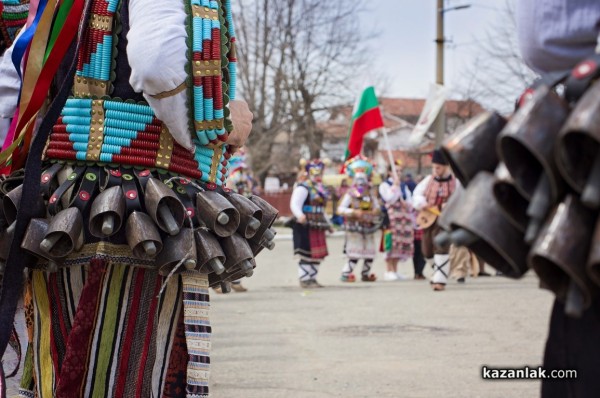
(10, 204)
(217, 213)
(510, 199)
(560, 252)
(178, 248)
(6, 238)
(236, 251)
(108, 210)
(593, 263)
(482, 226)
(143, 236)
(527, 147)
(250, 215)
(210, 254)
(36, 231)
(473, 147)
(164, 207)
(265, 234)
(578, 148)
(64, 234)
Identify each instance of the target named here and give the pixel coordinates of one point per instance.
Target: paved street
(385, 339)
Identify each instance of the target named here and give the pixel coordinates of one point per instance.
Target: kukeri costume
(362, 219)
(399, 235)
(128, 223)
(309, 199)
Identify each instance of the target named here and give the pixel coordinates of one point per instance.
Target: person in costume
(398, 237)
(362, 213)
(432, 193)
(308, 202)
(554, 36)
(123, 221)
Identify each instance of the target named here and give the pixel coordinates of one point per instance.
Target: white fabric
(156, 51)
(299, 195)
(344, 206)
(419, 201)
(4, 126)
(359, 245)
(307, 271)
(9, 84)
(391, 193)
(441, 268)
(556, 34)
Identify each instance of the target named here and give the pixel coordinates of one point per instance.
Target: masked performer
(429, 197)
(360, 208)
(307, 203)
(398, 237)
(122, 220)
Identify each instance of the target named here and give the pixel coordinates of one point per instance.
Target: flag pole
(389, 150)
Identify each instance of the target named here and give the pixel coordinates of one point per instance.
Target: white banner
(433, 105)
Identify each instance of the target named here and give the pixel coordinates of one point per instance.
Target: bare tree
(297, 58)
(499, 73)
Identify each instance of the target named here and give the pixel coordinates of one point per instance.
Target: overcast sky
(406, 47)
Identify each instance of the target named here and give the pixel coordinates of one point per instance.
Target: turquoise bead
(122, 133)
(79, 120)
(79, 137)
(128, 116)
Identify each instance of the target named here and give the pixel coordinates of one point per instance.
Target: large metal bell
(473, 147)
(578, 148)
(211, 257)
(143, 236)
(64, 234)
(560, 253)
(250, 215)
(35, 234)
(482, 226)
(217, 213)
(178, 248)
(107, 213)
(237, 252)
(163, 205)
(510, 199)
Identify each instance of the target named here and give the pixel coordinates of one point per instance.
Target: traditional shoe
(306, 284)
(316, 284)
(438, 287)
(368, 278)
(238, 287)
(348, 278)
(461, 280)
(217, 289)
(390, 276)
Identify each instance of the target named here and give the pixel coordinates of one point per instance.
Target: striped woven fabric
(197, 333)
(13, 15)
(108, 333)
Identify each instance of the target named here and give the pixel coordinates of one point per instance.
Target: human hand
(241, 118)
(301, 219)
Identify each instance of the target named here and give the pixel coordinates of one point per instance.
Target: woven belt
(123, 133)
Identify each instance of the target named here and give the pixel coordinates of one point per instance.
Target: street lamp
(440, 122)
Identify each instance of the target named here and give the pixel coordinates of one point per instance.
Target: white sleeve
(156, 51)
(419, 200)
(390, 193)
(9, 83)
(299, 195)
(409, 197)
(344, 206)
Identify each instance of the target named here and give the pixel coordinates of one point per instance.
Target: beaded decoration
(94, 64)
(95, 128)
(13, 18)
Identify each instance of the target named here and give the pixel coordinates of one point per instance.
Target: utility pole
(440, 121)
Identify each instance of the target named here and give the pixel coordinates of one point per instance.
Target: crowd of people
(392, 211)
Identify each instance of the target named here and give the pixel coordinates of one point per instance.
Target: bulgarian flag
(366, 117)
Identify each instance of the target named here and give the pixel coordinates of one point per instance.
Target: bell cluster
(532, 187)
